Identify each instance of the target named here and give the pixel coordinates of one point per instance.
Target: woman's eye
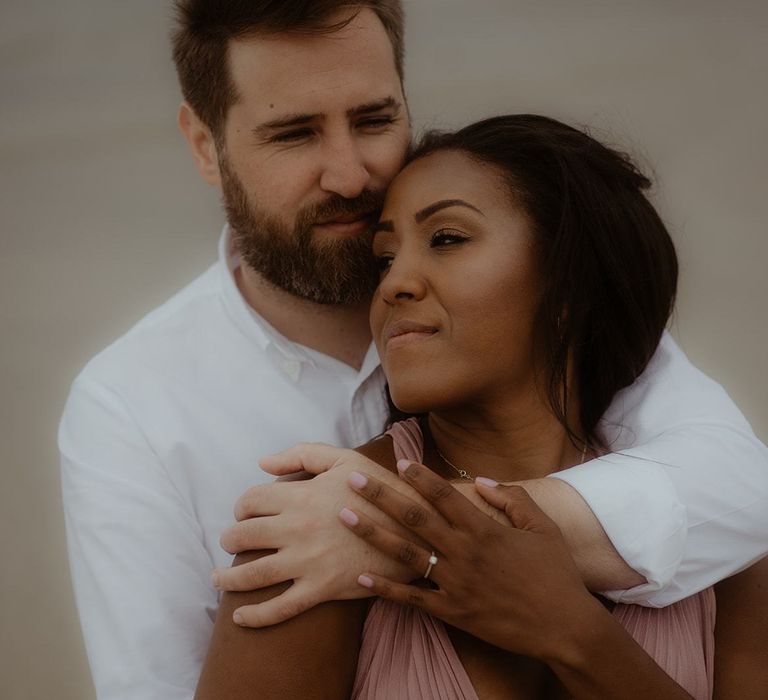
(384, 262)
(447, 237)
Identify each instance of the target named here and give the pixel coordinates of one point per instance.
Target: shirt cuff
(636, 502)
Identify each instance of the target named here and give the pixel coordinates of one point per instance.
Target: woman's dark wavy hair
(608, 263)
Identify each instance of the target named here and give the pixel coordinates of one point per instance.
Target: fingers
(252, 575)
(267, 499)
(430, 601)
(313, 457)
(518, 506)
(452, 505)
(291, 603)
(415, 558)
(428, 525)
(254, 533)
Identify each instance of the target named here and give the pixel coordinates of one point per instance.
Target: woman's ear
(201, 143)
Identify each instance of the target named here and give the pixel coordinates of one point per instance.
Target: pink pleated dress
(408, 655)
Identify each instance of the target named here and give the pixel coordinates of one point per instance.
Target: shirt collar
(288, 356)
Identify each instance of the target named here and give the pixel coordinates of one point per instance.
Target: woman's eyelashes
(384, 262)
(441, 240)
(447, 237)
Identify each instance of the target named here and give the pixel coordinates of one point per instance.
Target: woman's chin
(408, 402)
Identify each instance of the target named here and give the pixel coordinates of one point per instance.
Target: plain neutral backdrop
(103, 216)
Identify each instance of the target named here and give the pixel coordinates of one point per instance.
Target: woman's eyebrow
(426, 212)
(383, 226)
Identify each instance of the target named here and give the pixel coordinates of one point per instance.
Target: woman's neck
(528, 443)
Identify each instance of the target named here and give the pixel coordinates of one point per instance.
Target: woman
(525, 279)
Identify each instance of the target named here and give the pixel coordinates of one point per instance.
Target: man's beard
(339, 271)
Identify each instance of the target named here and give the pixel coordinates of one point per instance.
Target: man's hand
(300, 519)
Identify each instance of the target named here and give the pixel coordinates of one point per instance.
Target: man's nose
(345, 171)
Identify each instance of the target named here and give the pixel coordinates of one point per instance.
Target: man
(297, 112)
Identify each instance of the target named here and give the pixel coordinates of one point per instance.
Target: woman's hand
(516, 586)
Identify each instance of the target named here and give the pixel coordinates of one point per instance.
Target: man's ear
(201, 143)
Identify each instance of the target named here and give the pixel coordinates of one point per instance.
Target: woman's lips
(407, 332)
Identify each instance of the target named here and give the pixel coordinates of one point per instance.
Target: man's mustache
(368, 203)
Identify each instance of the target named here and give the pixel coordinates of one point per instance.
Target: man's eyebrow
(375, 106)
(426, 212)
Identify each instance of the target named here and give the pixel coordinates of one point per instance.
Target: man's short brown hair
(205, 28)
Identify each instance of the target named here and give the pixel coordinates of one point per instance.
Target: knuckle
(462, 614)
(515, 492)
(487, 534)
(407, 553)
(415, 599)
(366, 530)
(415, 516)
(375, 490)
(440, 491)
(288, 610)
(475, 561)
(260, 575)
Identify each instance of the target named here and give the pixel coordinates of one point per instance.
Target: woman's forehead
(447, 174)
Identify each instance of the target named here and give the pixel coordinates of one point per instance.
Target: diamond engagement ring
(432, 561)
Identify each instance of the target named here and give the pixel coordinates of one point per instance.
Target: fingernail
(238, 619)
(356, 480)
(365, 581)
(215, 579)
(402, 465)
(348, 516)
(486, 482)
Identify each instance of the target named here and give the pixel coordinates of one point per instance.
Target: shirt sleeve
(683, 496)
(140, 571)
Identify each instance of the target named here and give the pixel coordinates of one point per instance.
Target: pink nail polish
(349, 517)
(238, 619)
(365, 581)
(356, 480)
(402, 465)
(486, 481)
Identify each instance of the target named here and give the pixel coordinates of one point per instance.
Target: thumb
(312, 457)
(518, 506)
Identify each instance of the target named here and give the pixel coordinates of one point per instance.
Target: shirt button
(291, 367)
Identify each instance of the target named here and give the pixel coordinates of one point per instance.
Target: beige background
(103, 216)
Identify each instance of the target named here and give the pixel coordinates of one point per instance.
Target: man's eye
(289, 136)
(375, 122)
(447, 237)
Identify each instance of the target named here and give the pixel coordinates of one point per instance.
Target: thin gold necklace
(464, 474)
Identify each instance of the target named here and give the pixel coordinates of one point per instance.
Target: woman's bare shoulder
(381, 450)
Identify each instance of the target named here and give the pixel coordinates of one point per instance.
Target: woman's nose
(402, 282)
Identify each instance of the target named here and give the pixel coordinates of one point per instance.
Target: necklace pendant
(464, 474)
